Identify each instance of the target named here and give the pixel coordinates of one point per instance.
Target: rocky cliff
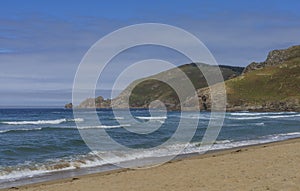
(272, 85)
(275, 57)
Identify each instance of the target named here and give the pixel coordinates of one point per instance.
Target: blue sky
(42, 42)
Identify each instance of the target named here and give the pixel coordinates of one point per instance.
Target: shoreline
(216, 155)
(227, 110)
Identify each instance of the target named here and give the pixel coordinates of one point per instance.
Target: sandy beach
(274, 166)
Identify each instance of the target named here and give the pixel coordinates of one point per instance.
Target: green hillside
(277, 84)
(148, 90)
(272, 85)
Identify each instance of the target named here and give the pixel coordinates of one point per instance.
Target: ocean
(46, 144)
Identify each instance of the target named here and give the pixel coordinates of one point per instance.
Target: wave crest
(151, 118)
(42, 122)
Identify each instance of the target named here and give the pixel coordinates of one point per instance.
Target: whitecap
(151, 118)
(42, 122)
(104, 126)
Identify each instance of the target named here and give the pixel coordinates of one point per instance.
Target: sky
(43, 42)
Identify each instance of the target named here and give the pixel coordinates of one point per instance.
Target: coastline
(250, 109)
(273, 166)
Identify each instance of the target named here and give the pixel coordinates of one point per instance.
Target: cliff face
(275, 57)
(273, 85)
(290, 103)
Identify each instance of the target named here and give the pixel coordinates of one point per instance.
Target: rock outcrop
(275, 57)
(272, 85)
(69, 106)
(98, 102)
(145, 91)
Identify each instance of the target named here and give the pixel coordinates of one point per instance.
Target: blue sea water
(36, 142)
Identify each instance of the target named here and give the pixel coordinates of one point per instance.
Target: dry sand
(273, 166)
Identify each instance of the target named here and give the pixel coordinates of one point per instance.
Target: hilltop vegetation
(272, 85)
(146, 90)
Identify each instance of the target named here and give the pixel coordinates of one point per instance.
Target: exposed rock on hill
(273, 86)
(275, 57)
(99, 102)
(147, 90)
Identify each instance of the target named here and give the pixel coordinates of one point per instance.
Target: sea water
(44, 142)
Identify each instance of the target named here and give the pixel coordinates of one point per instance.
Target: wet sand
(273, 166)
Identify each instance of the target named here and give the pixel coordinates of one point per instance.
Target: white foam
(283, 136)
(151, 118)
(282, 116)
(259, 113)
(264, 117)
(244, 118)
(26, 129)
(223, 141)
(247, 114)
(104, 126)
(259, 124)
(74, 127)
(27, 172)
(42, 122)
(91, 159)
(76, 119)
(119, 118)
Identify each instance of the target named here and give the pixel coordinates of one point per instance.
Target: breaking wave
(42, 122)
(92, 160)
(151, 118)
(64, 128)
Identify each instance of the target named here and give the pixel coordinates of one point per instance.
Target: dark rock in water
(69, 106)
